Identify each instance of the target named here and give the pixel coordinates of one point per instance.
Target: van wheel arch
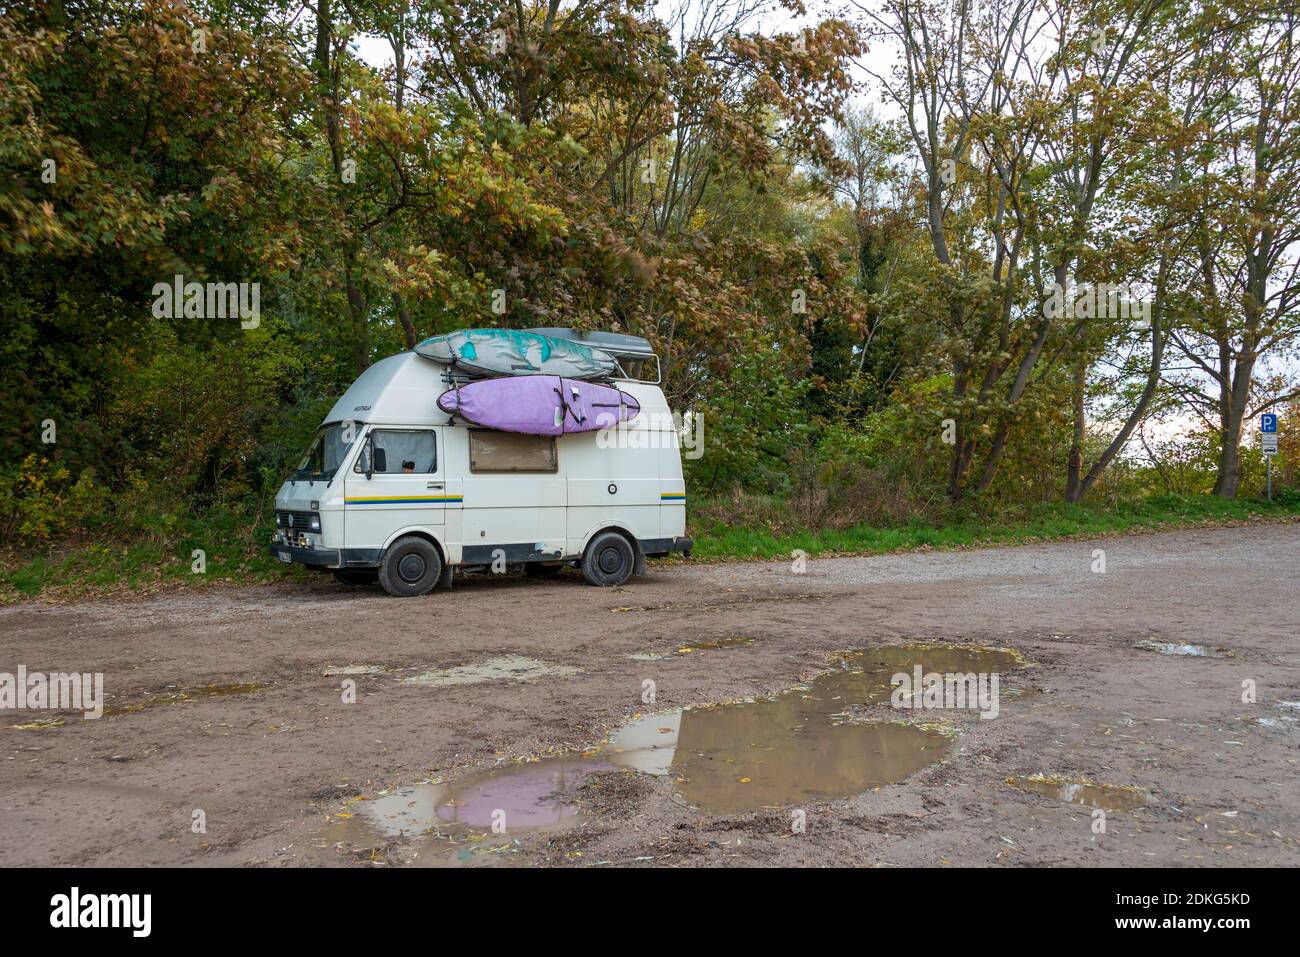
(632, 540)
(412, 565)
(442, 552)
(601, 542)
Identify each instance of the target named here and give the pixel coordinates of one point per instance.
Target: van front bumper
(326, 557)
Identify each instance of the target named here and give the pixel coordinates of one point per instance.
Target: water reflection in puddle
(1108, 797)
(1180, 649)
(183, 695)
(331, 671)
(501, 668)
(526, 797)
(39, 724)
(170, 695)
(733, 641)
(1021, 693)
(776, 752)
(796, 746)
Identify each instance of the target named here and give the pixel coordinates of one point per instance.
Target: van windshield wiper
(309, 476)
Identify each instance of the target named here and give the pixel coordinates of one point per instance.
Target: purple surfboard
(540, 404)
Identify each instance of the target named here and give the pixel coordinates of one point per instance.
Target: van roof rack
(617, 344)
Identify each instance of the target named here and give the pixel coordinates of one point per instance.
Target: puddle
(723, 602)
(1021, 694)
(865, 675)
(453, 823)
(1284, 723)
(1287, 720)
(771, 752)
(170, 696)
(732, 642)
(40, 724)
(776, 752)
(1108, 797)
(797, 745)
(1177, 648)
(525, 797)
(336, 670)
(503, 668)
(180, 695)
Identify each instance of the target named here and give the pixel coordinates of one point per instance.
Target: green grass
(1038, 523)
(236, 552)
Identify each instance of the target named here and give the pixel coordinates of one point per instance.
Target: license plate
(286, 557)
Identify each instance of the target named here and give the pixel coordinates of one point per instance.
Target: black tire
(356, 576)
(411, 567)
(609, 560)
(541, 570)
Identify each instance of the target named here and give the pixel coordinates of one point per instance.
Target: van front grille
(298, 521)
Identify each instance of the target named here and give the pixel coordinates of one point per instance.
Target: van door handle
(433, 485)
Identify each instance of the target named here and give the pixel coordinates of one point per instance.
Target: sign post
(1268, 445)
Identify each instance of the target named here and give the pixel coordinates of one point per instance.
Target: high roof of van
(404, 390)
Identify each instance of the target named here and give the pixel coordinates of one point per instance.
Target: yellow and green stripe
(665, 497)
(406, 500)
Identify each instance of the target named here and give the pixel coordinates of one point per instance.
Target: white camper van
(394, 488)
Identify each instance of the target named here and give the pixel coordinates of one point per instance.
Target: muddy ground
(218, 702)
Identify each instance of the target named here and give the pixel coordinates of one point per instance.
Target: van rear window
(491, 451)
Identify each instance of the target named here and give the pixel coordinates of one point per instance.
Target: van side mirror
(380, 459)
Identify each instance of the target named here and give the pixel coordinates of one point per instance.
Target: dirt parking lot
(519, 722)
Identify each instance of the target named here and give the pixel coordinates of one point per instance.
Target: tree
(1247, 230)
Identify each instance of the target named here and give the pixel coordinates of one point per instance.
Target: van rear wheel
(609, 560)
(410, 567)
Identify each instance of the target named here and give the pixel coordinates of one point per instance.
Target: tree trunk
(333, 134)
(956, 460)
(360, 330)
(1229, 477)
(404, 317)
(1232, 413)
(1139, 410)
(1074, 469)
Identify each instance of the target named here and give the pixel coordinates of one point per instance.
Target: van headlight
(315, 523)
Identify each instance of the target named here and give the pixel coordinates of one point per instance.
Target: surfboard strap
(559, 391)
(451, 417)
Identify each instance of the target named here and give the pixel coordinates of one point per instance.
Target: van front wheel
(609, 560)
(410, 567)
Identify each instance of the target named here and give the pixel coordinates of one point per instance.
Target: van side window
(491, 451)
(414, 452)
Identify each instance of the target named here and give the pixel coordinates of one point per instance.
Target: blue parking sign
(1268, 423)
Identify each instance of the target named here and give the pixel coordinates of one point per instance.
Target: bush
(1287, 497)
(39, 502)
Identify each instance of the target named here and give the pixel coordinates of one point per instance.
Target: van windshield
(326, 453)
